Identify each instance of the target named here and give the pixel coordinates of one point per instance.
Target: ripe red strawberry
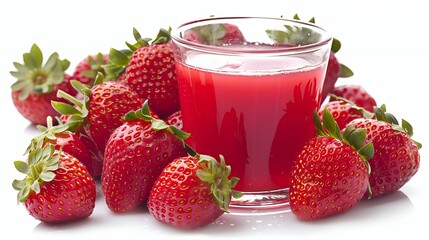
(342, 111)
(136, 154)
(37, 84)
(87, 69)
(396, 156)
(94, 153)
(331, 172)
(149, 70)
(356, 94)
(192, 192)
(62, 139)
(57, 187)
(102, 109)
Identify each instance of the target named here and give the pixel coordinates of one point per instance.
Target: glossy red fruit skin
(175, 119)
(94, 153)
(108, 103)
(396, 157)
(151, 73)
(356, 94)
(71, 144)
(135, 155)
(333, 72)
(342, 112)
(69, 196)
(37, 107)
(179, 198)
(329, 178)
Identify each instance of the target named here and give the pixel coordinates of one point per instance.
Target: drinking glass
(248, 87)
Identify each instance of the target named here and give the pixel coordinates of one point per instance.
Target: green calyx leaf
(351, 136)
(34, 76)
(345, 71)
(77, 109)
(96, 64)
(216, 174)
(381, 114)
(157, 124)
(47, 133)
(39, 168)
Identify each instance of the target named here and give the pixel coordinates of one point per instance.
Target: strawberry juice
(257, 120)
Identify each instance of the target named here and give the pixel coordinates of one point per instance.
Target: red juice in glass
(251, 97)
(258, 122)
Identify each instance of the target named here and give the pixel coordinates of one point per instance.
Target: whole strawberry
(192, 192)
(331, 172)
(149, 69)
(396, 156)
(102, 109)
(356, 94)
(62, 139)
(37, 84)
(87, 69)
(57, 187)
(136, 154)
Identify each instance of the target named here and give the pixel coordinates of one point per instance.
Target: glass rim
(231, 51)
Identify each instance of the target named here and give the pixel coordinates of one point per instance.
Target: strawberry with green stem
(396, 155)
(192, 191)
(37, 84)
(62, 139)
(87, 69)
(148, 68)
(57, 187)
(331, 174)
(102, 109)
(136, 154)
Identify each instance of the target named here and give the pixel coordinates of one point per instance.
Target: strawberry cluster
(117, 118)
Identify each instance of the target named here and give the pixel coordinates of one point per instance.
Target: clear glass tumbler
(248, 87)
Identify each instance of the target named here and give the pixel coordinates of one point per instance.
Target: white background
(384, 42)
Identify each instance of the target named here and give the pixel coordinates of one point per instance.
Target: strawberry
(95, 154)
(62, 139)
(102, 109)
(86, 70)
(342, 111)
(396, 156)
(57, 187)
(356, 94)
(331, 172)
(136, 154)
(37, 84)
(192, 191)
(149, 69)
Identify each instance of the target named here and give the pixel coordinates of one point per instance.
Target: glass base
(263, 202)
